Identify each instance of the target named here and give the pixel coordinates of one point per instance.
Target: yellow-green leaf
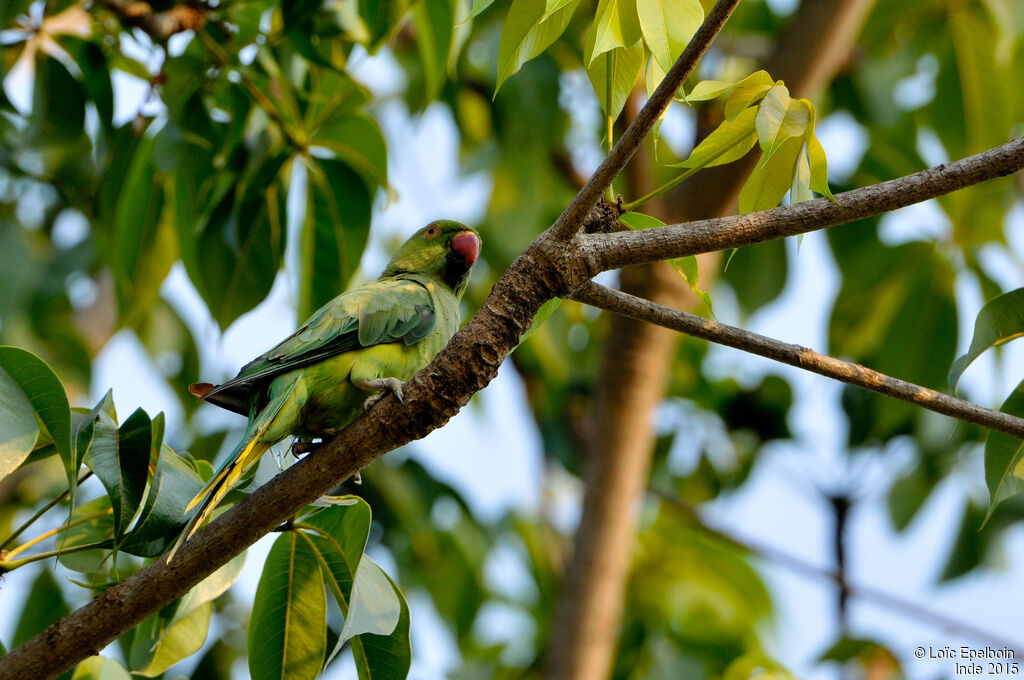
(667, 26)
(529, 29)
(728, 142)
(616, 25)
(771, 178)
(624, 64)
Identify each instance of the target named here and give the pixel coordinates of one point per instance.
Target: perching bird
(360, 345)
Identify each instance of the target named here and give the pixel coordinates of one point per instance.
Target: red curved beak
(467, 244)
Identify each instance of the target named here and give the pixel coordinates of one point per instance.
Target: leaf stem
(632, 205)
(31, 520)
(11, 565)
(53, 532)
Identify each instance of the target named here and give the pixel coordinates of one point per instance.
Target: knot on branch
(603, 218)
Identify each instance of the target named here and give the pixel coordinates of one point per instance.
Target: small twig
(8, 565)
(53, 532)
(858, 591)
(568, 223)
(42, 511)
(795, 355)
(611, 251)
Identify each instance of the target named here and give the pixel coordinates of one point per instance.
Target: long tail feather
(247, 454)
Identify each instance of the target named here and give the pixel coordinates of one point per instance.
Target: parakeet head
(443, 249)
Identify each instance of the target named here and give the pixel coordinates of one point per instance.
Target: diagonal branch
(795, 355)
(568, 223)
(611, 251)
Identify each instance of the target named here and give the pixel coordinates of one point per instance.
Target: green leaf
(624, 64)
(529, 30)
(357, 140)
(175, 483)
(182, 639)
(338, 209)
(236, 249)
(779, 119)
(728, 142)
(93, 525)
(18, 425)
(667, 27)
(741, 90)
(686, 267)
(382, 18)
(434, 21)
(44, 392)
(288, 627)
(476, 10)
(771, 178)
(179, 631)
(542, 315)
(120, 459)
(816, 157)
(1004, 457)
(616, 25)
(100, 668)
(801, 188)
(44, 605)
(380, 657)
(144, 247)
(999, 321)
(374, 607)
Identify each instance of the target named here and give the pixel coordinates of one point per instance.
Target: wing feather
(383, 311)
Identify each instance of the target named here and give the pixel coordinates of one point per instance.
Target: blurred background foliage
(254, 147)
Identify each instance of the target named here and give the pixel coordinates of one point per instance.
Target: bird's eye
(431, 231)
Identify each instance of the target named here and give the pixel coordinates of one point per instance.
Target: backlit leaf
(616, 25)
(1004, 457)
(623, 64)
(528, 30)
(667, 26)
(288, 627)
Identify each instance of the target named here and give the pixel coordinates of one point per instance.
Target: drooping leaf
(616, 25)
(686, 267)
(174, 484)
(434, 23)
(42, 389)
(667, 26)
(120, 459)
(1004, 457)
(237, 247)
(385, 657)
(374, 607)
(999, 321)
(613, 74)
(288, 627)
(528, 31)
(779, 119)
(182, 638)
(771, 178)
(334, 234)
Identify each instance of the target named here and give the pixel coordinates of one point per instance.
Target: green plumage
(317, 380)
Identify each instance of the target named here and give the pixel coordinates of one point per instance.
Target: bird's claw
(301, 447)
(383, 386)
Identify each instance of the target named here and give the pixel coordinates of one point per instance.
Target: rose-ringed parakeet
(361, 344)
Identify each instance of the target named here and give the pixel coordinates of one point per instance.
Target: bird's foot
(381, 386)
(301, 447)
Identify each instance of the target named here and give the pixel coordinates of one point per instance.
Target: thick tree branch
(568, 223)
(611, 251)
(795, 355)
